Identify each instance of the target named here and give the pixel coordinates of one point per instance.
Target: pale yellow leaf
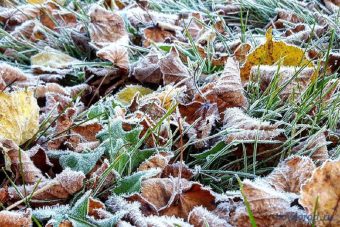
(19, 117)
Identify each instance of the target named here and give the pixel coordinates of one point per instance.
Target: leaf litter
(169, 113)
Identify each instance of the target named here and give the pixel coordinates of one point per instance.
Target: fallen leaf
(52, 191)
(201, 217)
(269, 207)
(116, 53)
(159, 160)
(248, 128)
(290, 174)
(271, 52)
(159, 34)
(172, 68)
(15, 218)
(126, 95)
(106, 27)
(332, 5)
(176, 197)
(323, 192)
(317, 144)
(178, 169)
(19, 118)
(20, 162)
(52, 59)
(20, 14)
(226, 91)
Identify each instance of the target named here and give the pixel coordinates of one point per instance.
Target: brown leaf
(290, 174)
(159, 160)
(202, 117)
(58, 18)
(176, 196)
(227, 90)
(40, 159)
(248, 128)
(334, 62)
(106, 27)
(172, 68)
(159, 33)
(284, 16)
(323, 189)
(201, 217)
(147, 69)
(52, 191)
(269, 207)
(177, 169)
(116, 53)
(11, 76)
(20, 162)
(15, 16)
(15, 218)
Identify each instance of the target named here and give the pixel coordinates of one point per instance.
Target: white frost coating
(70, 180)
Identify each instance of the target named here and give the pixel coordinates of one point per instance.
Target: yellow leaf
(126, 95)
(60, 2)
(19, 116)
(52, 58)
(271, 52)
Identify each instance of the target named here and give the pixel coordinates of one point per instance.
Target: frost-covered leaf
(248, 128)
(15, 218)
(322, 192)
(127, 94)
(52, 59)
(132, 184)
(175, 196)
(19, 119)
(51, 191)
(106, 27)
(271, 52)
(19, 161)
(201, 217)
(83, 162)
(290, 174)
(268, 206)
(227, 90)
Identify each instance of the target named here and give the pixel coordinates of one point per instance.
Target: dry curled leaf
(15, 218)
(227, 90)
(322, 190)
(201, 117)
(248, 128)
(272, 52)
(290, 174)
(332, 5)
(19, 118)
(116, 53)
(172, 68)
(20, 162)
